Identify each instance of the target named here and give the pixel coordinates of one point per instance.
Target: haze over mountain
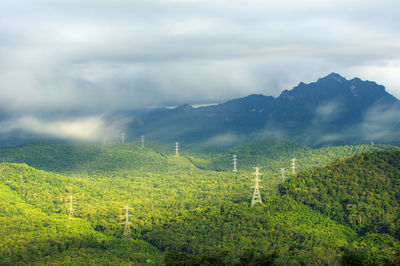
(331, 110)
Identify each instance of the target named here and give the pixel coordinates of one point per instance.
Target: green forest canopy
(193, 209)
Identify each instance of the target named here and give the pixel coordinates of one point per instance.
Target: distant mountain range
(332, 110)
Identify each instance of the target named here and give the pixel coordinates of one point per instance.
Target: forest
(338, 206)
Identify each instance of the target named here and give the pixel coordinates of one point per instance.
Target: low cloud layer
(327, 112)
(222, 140)
(381, 122)
(92, 129)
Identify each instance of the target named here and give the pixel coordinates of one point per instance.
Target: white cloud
(86, 129)
(222, 140)
(381, 121)
(327, 112)
(383, 72)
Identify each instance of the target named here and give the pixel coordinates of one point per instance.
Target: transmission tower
(142, 141)
(122, 137)
(71, 207)
(176, 148)
(127, 228)
(282, 174)
(372, 143)
(294, 165)
(234, 164)
(256, 194)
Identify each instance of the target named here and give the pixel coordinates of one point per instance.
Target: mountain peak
(333, 76)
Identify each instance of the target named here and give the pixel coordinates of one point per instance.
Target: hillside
(35, 229)
(129, 158)
(93, 158)
(169, 212)
(272, 154)
(362, 192)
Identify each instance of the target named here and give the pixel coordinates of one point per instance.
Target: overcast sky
(97, 56)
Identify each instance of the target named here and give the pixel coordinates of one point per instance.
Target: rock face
(332, 110)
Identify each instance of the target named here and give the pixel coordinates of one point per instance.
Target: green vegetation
(362, 192)
(191, 210)
(65, 158)
(273, 154)
(31, 236)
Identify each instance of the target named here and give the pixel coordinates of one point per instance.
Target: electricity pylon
(127, 228)
(256, 194)
(234, 164)
(71, 207)
(294, 165)
(122, 137)
(176, 148)
(142, 141)
(282, 174)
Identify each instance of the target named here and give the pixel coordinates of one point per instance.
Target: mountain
(332, 110)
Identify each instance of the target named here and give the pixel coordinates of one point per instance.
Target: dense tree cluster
(362, 192)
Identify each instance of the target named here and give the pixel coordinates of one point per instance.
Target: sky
(88, 58)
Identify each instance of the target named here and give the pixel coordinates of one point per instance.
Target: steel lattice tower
(294, 165)
(122, 137)
(282, 174)
(71, 208)
(234, 164)
(256, 194)
(142, 141)
(176, 148)
(127, 228)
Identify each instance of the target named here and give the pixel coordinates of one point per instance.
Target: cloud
(106, 56)
(91, 129)
(381, 122)
(222, 140)
(327, 112)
